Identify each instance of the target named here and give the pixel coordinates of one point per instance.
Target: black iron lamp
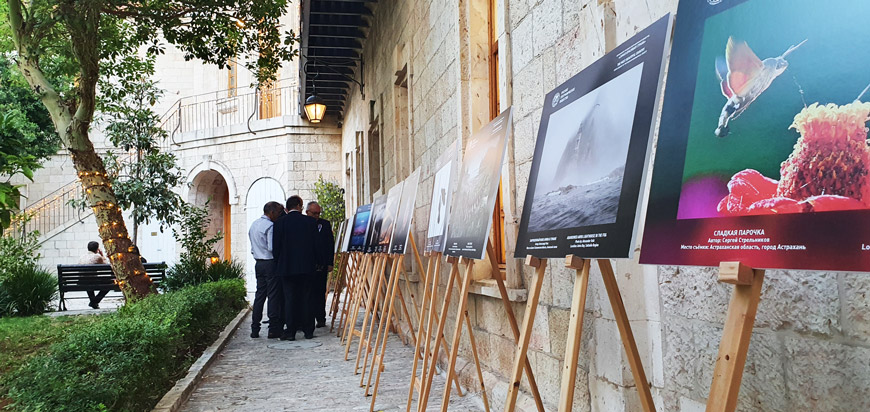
(315, 108)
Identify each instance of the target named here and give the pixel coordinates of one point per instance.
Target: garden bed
(123, 361)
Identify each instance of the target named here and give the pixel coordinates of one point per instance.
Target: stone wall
(812, 339)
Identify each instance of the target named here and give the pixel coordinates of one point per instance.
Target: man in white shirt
(260, 235)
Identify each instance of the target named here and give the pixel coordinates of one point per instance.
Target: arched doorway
(210, 187)
(263, 190)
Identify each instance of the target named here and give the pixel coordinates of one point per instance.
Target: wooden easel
(355, 289)
(364, 289)
(349, 288)
(575, 331)
(734, 346)
(426, 316)
(341, 281)
(385, 319)
(371, 312)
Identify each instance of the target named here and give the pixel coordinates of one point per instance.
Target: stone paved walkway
(306, 375)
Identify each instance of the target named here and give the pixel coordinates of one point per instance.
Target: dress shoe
(273, 336)
(309, 335)
(288, 336)
(255, 334)
(94, 305)
(321, 324)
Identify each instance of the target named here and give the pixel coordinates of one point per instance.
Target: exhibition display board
(375, 225)
(360, 228)
(762, 155)
(470, 216)
(582, 202)
(442, 191)
(591, 154)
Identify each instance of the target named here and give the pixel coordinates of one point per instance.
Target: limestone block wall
(810, 345)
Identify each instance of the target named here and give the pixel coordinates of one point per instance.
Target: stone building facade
(463, 61)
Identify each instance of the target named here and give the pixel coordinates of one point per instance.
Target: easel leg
(420, 333)
(457, 332)
(350, 289)
(473, 343)
(728, 372)
(369, 277)
(432, 357)
(512, 320)
(526, 334)
(628, 342)
(363, 279)
(386, 318)
(383, 344)
(371, 313)
(575, 331)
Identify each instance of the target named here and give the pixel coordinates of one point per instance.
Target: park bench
(82, 278)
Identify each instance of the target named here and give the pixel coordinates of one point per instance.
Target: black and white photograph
(399, 242)
(346, 235)
(581, 170)
(442, 192)
(592, 149)
(388, 218)
(471, 214)
(377, 221)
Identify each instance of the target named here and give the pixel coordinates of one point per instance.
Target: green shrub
(27, 291)
(128, 360)
(18, 247)
(190, 272)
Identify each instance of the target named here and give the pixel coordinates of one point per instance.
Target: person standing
(325, 244)
(294, 251)
(94, 257)
(268, 285)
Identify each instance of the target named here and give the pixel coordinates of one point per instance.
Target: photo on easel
(339, 236)
(442, 193)
(360, 228)
(762, 155)
(399, 242)
(479, 176)
(348, 233)
(377, 222)
(388, 219)
(592, 151)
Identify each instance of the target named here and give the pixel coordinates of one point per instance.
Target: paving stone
(307, 375)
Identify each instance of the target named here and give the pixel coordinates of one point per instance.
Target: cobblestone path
(307, 375)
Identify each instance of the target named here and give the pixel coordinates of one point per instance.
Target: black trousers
(263, 269)
(275, 303)
(297, 301)
(96, 298)
(318, 296)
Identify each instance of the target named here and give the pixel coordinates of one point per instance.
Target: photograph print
(399, 243)
(474, 201)
(763, 155)
(339, 236)
(388, 221)
(348, 233)
(377, 222)
(442, 192)
(360, 229)
(591, 154)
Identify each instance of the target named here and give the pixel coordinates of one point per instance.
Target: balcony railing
(231, 107)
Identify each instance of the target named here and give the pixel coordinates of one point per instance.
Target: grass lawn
(21, 338)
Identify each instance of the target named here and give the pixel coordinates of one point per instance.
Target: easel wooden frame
(342, 281)
(350, 285)
(734, 346)
(575, 331)
(371, 312)
(355, 289)
(364, 291)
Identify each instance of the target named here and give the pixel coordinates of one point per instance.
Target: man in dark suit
(293, 247)
(325, 244)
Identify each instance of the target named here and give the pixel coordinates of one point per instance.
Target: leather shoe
(273, 336)
(309, 335)
(321, 324)
(288, 337)
(255, 334)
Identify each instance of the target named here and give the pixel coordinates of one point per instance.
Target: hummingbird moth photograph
(764, 132)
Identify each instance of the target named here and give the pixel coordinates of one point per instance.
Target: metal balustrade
(200, 112)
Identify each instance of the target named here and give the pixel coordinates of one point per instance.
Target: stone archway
(210, 187)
